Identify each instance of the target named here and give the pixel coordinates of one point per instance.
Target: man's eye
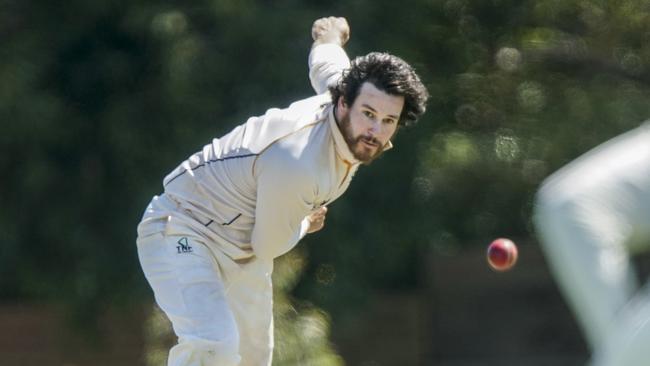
(390, 121)
(368, 114)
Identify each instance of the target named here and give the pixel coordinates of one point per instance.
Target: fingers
(320, 214)
(331, 30)
(345, 29)
(317, 219)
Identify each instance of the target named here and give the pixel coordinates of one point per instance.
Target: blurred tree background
(100, 99)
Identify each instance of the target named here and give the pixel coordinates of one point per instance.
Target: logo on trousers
(183, 246)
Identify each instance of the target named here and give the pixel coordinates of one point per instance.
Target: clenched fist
(330, 30)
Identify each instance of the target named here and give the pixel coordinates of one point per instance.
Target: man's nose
(374, 128)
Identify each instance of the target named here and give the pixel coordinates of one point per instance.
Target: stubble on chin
(356, 145)
(360, 153)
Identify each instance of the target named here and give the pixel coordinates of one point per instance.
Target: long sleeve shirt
(250, 190)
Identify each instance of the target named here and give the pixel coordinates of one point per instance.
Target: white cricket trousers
(220, 310)
(592, 216)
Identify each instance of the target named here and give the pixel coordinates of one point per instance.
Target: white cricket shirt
(250, 190)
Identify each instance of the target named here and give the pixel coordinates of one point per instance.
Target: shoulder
(307, 111)
(315, 102)
(308, 132)
(301, 156)
(260, 133)
(299, 149)
(290, 155)
(289, 174)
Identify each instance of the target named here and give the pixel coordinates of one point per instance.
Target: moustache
(369, 140)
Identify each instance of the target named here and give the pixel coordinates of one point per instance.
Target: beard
(358, 145)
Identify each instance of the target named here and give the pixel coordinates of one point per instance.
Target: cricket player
(207, 244)
(592, 216)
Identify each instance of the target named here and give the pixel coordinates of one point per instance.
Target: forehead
(379, 100)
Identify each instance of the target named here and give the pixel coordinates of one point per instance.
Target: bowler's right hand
(316, 220)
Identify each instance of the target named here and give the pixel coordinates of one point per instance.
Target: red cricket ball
(502, 254)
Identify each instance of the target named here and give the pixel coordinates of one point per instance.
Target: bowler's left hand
(330, 30)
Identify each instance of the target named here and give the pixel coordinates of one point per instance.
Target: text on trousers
(183, 246)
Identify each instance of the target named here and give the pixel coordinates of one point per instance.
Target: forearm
(327, 59)
(326, 65)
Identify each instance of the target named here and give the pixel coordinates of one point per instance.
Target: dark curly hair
(389, 74)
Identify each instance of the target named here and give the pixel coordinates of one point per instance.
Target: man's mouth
(370, 142)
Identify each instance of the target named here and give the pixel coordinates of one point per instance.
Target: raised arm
(327, 59)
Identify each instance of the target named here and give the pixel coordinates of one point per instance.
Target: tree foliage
(99, 100)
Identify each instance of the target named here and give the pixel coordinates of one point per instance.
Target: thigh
(187, 286)
(250, 294)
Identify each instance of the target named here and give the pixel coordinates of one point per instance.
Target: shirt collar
(340, 144)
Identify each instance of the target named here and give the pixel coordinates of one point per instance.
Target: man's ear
(341, 104)
(341, 109)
